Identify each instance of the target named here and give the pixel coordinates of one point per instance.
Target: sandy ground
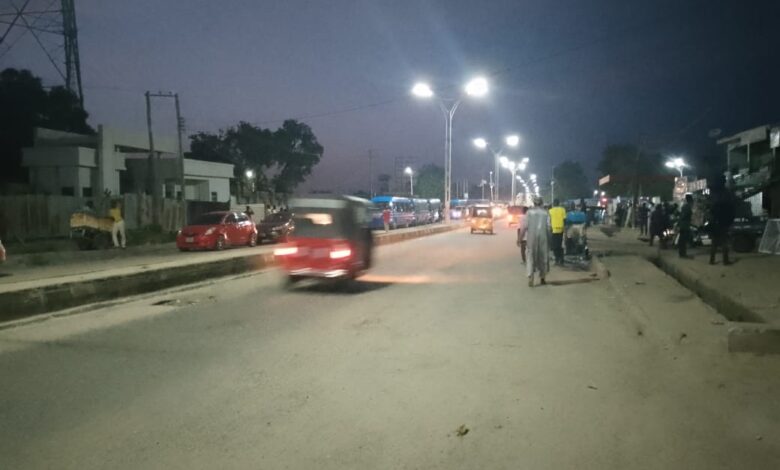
(442, 338)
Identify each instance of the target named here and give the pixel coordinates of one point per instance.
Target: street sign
(604, 180)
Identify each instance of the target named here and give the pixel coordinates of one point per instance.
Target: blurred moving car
(217, 230)
(332, 239)
(513, 215)
(276, 227)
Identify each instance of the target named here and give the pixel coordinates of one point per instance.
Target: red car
(216, 230)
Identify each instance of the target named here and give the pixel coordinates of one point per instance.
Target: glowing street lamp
(475, 88)
(512, 140)
(677, 163)
(408, 171)
(422, 90)
(480, 143)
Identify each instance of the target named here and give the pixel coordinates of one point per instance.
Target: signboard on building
(604, 180)
(698, 185)
(774, 138)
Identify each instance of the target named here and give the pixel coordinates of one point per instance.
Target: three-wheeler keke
(332, 240)
(481, 219)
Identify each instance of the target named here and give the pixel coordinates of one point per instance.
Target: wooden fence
(30, 217)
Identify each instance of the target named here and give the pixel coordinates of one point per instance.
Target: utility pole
(635, 185)
(154, 162)
(179, 129)
(552, 184)
(151, 167)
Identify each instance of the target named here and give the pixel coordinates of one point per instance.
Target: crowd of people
(542, 230)
(665, 219)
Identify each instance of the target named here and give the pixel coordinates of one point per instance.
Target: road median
(62, 292)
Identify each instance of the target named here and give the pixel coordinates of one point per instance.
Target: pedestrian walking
(249, 213)
(684, 227)
(522, 232)
(557, 222)
(642, 215)
(386, 218)
(723, 210)
(657, 222)
(118, 227)
(535, 231)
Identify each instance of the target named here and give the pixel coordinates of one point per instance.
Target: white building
(90, 165)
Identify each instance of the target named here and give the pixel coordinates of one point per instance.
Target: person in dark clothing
(657, 223)
(642, 215)
(684, 226)
(723, 210)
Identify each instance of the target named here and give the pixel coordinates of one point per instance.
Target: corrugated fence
(30, 217)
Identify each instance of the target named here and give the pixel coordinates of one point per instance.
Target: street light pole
(410, 172)
(477, 87)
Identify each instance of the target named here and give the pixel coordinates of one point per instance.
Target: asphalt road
(443, 337)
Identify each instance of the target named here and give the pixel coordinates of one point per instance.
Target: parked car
(217, 230)
(276, 227)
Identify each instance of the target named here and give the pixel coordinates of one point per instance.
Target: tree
(626, 166)
(384, 183)
(429, 182)
(25, 105)
(570, 181)
(279, 160)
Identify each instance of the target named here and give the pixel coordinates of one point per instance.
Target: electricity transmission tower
(54, 29)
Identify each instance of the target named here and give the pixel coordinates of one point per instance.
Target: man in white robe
(535, 227)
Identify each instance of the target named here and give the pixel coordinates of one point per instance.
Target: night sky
(569, 76)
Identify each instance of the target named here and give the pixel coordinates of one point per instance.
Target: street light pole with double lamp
(476, 88)
(512, 140)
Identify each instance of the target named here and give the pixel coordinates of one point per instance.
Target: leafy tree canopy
(24, 105)
(429, 182)
(281, 159)
(571, 181)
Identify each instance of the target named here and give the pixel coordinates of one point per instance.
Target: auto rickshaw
(332, 240)
(90, 231)
(481, 219)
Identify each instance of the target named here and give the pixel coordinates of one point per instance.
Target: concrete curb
(636, 314)
(755, 338)
(39, 300)
(725, 305)
(749, 332)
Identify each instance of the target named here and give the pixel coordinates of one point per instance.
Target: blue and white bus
(422, 212)
(435, 205)
(458, 208)
(401, 211)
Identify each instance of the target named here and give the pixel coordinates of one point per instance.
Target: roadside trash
(462, 430)
(592, 387)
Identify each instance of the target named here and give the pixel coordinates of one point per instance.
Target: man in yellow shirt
(119, 224)
(557, 218)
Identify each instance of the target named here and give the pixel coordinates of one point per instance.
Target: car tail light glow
(286, 251)
(340, 253)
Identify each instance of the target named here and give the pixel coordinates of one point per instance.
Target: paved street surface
(443, 338)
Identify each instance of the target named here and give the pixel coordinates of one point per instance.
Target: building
(116, 162)
(752, 169)
(204, 181)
